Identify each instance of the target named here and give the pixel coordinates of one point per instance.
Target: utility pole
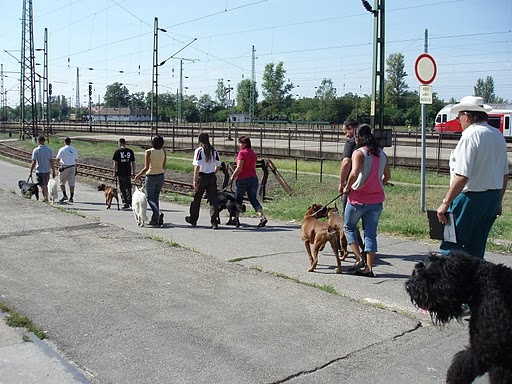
(77, 102)
(378, 72)
(252, 91)
(46, 98)
(28, 77)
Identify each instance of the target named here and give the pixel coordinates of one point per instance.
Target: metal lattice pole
(28, 110)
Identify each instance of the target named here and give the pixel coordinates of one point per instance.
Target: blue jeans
(249, 185)
(370, 213)
(154, 184)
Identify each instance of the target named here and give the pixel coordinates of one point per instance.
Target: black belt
(66, 166)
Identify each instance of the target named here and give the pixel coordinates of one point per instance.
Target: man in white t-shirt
(478, 178)
(67, 157)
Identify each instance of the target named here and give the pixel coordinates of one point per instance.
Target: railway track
(94, 171)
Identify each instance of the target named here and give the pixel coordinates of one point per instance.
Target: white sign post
(426, 71)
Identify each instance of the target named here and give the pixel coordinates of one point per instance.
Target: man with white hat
(478, 178)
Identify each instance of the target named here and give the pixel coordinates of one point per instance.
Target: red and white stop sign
(425, 68)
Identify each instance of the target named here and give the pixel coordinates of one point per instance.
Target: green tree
(243, 96)
(206, 107)
(485, 89)
(395, 86)
(138, 101)
(326, 93)
(221, 93)
(117, 96)
(276, 91)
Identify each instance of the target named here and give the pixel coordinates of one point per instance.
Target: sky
(112, 41)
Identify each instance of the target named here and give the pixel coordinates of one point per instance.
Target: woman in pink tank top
(365, 189)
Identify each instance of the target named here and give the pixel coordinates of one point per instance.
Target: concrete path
(178, 304)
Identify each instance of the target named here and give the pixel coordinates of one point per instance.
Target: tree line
(278, 102)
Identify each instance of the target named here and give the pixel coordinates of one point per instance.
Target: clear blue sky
(469, 39)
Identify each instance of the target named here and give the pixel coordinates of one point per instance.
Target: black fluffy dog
(29, 189)
(226, 200)
(442, 284)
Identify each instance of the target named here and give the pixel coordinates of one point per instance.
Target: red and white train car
(499, 117)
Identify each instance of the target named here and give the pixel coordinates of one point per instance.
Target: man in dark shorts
(42, 161)
(124, 169)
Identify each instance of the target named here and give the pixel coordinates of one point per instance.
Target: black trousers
(208, 183)
(125, 186)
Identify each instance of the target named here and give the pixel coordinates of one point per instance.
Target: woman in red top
(246, 177)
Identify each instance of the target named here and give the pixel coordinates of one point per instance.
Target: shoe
(161, 219)
(188, 220)
(365, 274)
(360, 264)
(45, 200)
(71, 200)
(152, 222)
(215, 226)
(263, 222)
(237, 222)
(64, 199)
(126, 206)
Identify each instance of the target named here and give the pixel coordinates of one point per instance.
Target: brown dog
(335, 221)
(110, 193)
(318, 233)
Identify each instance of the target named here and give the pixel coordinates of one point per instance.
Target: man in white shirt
(67, 157)
(478, 178)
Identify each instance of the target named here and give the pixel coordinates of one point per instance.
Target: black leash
(325, 206)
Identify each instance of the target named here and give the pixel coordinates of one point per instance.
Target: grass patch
(17, 320)
(324, 287)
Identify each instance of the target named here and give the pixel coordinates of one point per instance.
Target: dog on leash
(29, 189)
(226, 200)
(53, 193)
(139, 206)
(335, 221)
(443, 284)
(317, 233)
(110, 194)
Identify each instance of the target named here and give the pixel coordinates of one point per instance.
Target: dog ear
(419, 267)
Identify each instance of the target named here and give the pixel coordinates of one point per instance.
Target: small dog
(335, 221)
(139, 206)
(443, 284)
(226, 200)
(110, 194)
(53, 194)
(318, 233)
(29, 189)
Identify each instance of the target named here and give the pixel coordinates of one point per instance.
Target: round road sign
(425, 68)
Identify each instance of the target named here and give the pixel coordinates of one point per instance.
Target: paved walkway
(123, 304)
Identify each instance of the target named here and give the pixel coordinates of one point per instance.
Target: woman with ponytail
(206, 164)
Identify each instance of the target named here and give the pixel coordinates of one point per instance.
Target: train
(499, 117)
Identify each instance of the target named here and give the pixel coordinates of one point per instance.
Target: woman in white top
(206, 163)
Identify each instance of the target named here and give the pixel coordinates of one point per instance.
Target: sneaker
(64, 199)
(189, 220)
(71, 200)
(215, 226)
(161, 219)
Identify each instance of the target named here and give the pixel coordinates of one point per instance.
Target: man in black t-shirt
(349, 128)
(124, 169)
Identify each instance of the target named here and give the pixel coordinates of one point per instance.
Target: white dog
(139, 206)
(53, 195)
